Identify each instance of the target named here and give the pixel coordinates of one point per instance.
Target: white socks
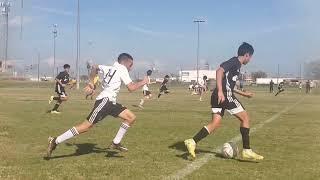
(141, 102)
(67, 135)
(122, 131)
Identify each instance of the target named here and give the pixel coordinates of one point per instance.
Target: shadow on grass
(86, 148)
(181, 147)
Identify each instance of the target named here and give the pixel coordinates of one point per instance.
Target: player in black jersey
(163, 87)
(223, 98)
(280, 88)
(61, 82)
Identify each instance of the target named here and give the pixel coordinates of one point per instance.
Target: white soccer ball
(230, 150)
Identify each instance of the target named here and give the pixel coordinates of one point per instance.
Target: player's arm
(137, 85)
(219, 77)
(244, 94)
(58, 79)
(93, 73)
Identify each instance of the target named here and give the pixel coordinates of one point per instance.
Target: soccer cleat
(55, 112)
(140, 106)
(249, 154)
(191, 146)
(51, 99)
(118, 147)
(51, 146)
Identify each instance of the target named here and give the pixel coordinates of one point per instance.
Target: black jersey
(165, 81)
(64, 78)
(231, 73)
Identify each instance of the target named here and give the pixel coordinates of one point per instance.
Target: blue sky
(284, 32)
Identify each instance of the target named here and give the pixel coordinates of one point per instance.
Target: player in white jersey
(106, 102)
(146, 91)
(202, 86)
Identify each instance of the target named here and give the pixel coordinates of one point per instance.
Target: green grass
(290, 144)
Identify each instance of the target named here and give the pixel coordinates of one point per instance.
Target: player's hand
(221, 97)
(89, 88)
(249, 94)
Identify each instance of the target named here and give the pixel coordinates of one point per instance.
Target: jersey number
(109, 75)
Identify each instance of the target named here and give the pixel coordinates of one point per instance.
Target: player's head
(126, 60)
(246, 51)
(166, 76)
(149, 72)
(66, 67)
(205, 77)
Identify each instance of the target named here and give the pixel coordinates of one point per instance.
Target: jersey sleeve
(103, 69)
(60, 76)
(228, 65)
(125, 77)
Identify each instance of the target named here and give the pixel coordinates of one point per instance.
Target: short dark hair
(245, 48)
(66, 66)
(167, 76)
(205, 77)
(124, 56)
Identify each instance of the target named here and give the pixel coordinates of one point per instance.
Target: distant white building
(275, 80)
(191, 75)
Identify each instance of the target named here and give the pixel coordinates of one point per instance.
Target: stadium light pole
(5, 8)
(198, 45)
(78, 44)
(278, 74)
(21, 21)
(38, 68)
(55, 34)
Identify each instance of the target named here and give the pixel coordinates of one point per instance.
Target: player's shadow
(181, 147)
(86, 148)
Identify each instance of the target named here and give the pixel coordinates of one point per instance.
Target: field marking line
(198, 163)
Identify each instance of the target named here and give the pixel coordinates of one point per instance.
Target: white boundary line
(198, 163)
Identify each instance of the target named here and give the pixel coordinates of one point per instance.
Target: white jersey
(202, 83)
(146, 86)
(111, 82)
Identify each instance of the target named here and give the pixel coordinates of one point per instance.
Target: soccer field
(290, 141)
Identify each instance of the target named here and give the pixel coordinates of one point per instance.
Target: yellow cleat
(51, 99)
(249, 154)
(191, 146)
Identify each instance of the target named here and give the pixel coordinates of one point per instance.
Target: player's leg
(128, 120)
(143, 99)
(160, 93)
(63, 97)
(98, 113)
(217, 114)
(243, 116)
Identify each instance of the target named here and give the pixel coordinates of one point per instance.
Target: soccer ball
(230, 150)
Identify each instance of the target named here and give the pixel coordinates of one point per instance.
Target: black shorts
(163, 88)
(146, 93)
(231, 104)
(102, 108)
(61, 91)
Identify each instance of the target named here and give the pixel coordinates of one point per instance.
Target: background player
(61, 81)
(271, 84)
(106, 102)
(146, 91)
(203, 86)
(223, 98)
(95, 84)
(163, 87)
(280, 88)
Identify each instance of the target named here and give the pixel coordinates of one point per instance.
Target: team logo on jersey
(234, 78)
